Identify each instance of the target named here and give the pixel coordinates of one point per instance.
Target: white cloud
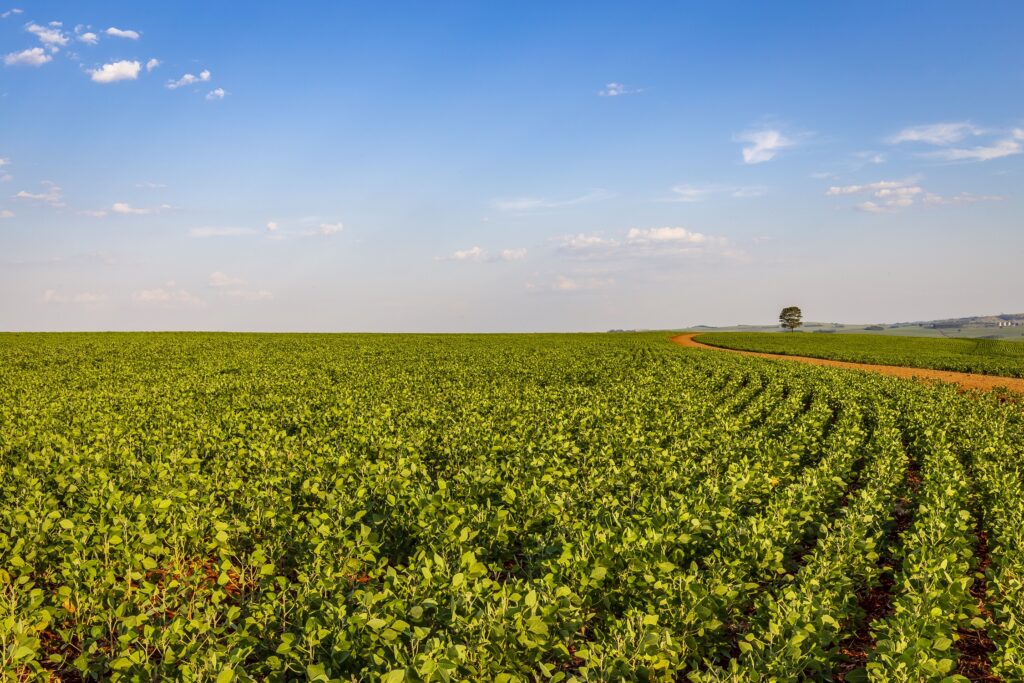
(328, 229)
(836, 191)
(748, 192)
(997, 150)
(962, 198)
(946, 134)
(617, 90)
(533, 203)
(580, 242)
(125, 209)
(513, 254)
(216, 94)
(168, 296)
(272, 226)
(189, 79)
(13, 10)
(936, 133)
(6, 213)
(219, 279)
(478, 254)
(150, 185)
(890, 195)
(690, 193)
(119, 33)
(117, 71)
(129, 210)
(89, 38)
(53, 195)
(644, 243)
(35, 56)
(220, 232)
(52, 296)
(152, 64)
(49, 36)
(471, 254)
(764, 145)
(697, 193)
(869, 157)
(233, 288)
(666, 235)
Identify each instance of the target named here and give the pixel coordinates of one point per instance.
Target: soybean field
(229, 507)
(984, 356)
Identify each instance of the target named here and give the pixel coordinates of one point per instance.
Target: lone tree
(790, 318)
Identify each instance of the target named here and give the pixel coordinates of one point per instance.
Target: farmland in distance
(984, 356)
(496, 507)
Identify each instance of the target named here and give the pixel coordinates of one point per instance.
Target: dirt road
(968, 380)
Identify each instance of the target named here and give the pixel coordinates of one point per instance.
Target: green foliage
(509, 508)
(791, 317)
(985, 356)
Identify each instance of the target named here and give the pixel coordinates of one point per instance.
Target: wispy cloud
(126, 209)
(763, 144)
(477, 254)
(123, 70)
(618, 90)
(35, 56)
(233, 288)
(521, 204)
(6, 213)
(89, 38)
(888, 194)
(958, 199)
(152, 64)
(52, 196)
(472, 254)
(328, 229)
(168, 296)
(936, 133)
(641, 243)
(892, 195)
(52, 296)
(219, 279)
(189, 79)
(697, 193)
(115, 32)
(945, 135)
(216, 94)
(10, 12)
(513, 254)
(997, 150)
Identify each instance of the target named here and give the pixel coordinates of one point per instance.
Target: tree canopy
(791, 317)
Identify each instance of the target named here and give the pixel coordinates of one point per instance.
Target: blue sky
(468, 166)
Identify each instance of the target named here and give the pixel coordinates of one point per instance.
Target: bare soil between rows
(968, 380)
